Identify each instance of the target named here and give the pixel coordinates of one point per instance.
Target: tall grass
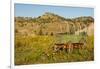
(38, 49)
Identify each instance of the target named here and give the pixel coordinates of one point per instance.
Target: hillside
(50, 23)
(89, 30)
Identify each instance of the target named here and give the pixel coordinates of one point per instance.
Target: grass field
(38, 49)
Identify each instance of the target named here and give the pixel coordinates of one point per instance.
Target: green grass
(38, 49)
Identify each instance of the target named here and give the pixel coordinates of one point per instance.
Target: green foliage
(38, 49)
(83, 33)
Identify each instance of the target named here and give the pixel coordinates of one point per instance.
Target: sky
(32, 10)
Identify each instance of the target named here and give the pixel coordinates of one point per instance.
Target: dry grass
(38, 49)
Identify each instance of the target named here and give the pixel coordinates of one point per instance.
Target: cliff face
(89, 30)
(50, 23)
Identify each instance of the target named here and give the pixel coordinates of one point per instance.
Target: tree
(51, 33)
(83, 33)
(40, 32)
(46, 33)
(16, 31)
(72, 30)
